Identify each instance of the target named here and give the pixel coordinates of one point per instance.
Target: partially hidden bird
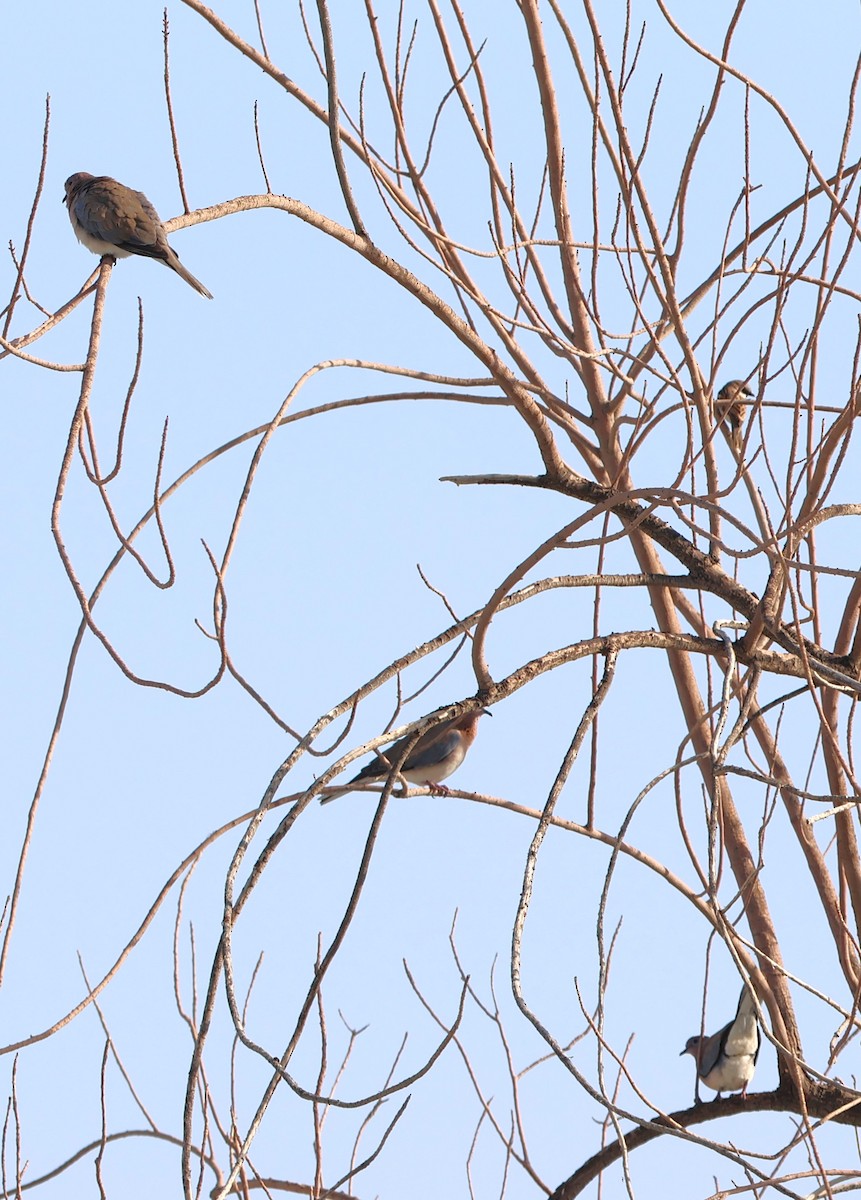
(110, 218)
(726, 1060)
(731, 409)
(435, 755)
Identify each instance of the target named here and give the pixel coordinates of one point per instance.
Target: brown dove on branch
(436, 755)
(726, 1060)
(110, 218)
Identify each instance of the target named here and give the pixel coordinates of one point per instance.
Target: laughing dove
(109, 218)
(434, 757)
(730, 410)
(726, 1060)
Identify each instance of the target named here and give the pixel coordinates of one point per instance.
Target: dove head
(692, 1046)
(74, 182)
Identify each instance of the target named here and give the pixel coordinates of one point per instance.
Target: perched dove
(434, 757)
(726, 1060)
(109, 218)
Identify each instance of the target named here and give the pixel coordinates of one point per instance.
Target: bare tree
(655, 328)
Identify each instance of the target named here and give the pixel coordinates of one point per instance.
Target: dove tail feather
(184, 273)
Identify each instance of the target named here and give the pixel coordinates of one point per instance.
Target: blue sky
(323, 592)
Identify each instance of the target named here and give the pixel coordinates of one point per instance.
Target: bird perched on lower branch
(110, 218)
(435, 755)
(726, 1060)
(731, 409)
